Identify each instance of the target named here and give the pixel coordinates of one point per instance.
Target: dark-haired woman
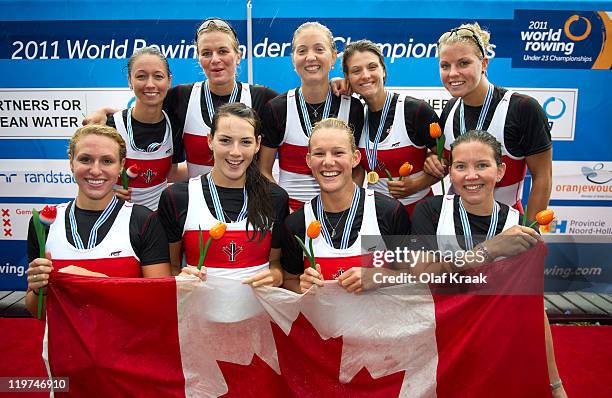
(146, 129)
(396, 128)
(474, 215)
(235, 193)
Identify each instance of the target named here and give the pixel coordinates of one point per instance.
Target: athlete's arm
(156, 270)
(266, 161)
(273, 276)
(540, 167)
(178, 172)
(176, 254)
(408, 186)
(99, 116)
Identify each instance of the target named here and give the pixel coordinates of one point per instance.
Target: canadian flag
(180, 337)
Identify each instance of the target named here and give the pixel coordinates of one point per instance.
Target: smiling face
(331, 159)
(234, 146)
(218, 58)
(312, 55)
(474, 173)
(149, 79)
(96, 165)
(462, 71)
(366, 74)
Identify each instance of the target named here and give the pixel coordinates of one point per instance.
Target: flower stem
(124, 179)
(40, 234)
(303, 246)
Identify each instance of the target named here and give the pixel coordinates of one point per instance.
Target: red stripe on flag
(494, 341)
(131, 352)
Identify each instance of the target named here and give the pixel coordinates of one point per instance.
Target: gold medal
(372, 177)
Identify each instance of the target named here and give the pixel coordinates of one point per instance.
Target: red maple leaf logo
(310, 367)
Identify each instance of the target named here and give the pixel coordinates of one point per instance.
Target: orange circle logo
(570, 21)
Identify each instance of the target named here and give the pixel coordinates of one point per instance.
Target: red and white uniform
(294, 175)
(396, 149)
(232, 256)
(510, 189)
(195, 132)
(154, 167)
(114, 256)
(445, 233)
(334, 261)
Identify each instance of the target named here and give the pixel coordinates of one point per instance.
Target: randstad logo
(597, 174)
(554, 108)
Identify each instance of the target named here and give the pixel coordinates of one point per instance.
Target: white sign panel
(36, 178)
(15, 219)
(587, 180)
(559, 104)
(53, 113)
(575, 220)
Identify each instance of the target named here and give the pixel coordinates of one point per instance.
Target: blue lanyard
(220, 215)
(348, 224)
(93, 234)
(152, 146)
(483, 111)
(306, 116)
(209, 103)
(371, 152)
(465, 223)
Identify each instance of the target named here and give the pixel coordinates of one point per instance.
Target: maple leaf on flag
(311, 366)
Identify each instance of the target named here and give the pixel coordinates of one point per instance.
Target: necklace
(333, 227)
(315, 110)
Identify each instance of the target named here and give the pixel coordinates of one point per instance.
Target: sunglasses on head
(463, 32)
(219, 23)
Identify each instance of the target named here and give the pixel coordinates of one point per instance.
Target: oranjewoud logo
(597, 174)
(554, 108)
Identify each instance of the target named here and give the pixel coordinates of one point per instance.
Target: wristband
(556, 385)
(484, 252)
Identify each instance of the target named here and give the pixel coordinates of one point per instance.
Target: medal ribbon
(209, 103)
(483, 111)
(306, 116)
(348, 224)
(371, 152)
(93, 234)
(465, 223)
(220, 215)
(152, 146)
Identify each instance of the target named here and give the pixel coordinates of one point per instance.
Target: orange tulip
(314, 229)
(545, 217)
(405, 170)
(435, 131)
(217, 231)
